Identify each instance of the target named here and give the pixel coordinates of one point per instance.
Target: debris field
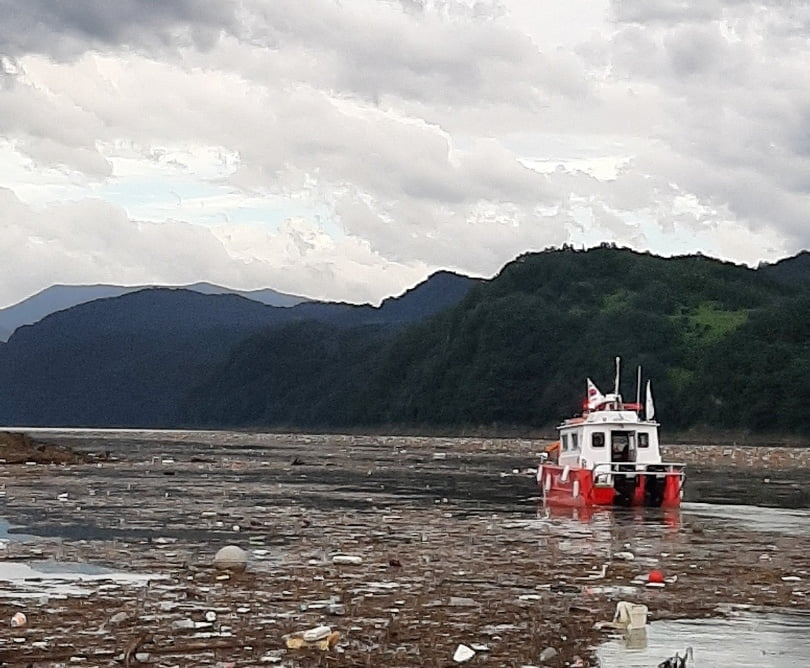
(389, 551)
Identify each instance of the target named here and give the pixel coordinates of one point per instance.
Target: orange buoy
(655, 576)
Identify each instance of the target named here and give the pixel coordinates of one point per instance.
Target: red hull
(575, 488)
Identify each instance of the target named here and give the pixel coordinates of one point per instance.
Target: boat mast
(638, 387)
(616, 382)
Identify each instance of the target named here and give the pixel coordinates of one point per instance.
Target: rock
(463, 654)
(548, 654)
(624, 556)
(231, 558)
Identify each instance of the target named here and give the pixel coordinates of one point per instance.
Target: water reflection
(754, 518)
(747, 640)
(613, 517)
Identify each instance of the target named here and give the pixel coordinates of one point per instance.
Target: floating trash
(231, 558)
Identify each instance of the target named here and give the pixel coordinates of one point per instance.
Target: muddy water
(756, 487)
(455, 548)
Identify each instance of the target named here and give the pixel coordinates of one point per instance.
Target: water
(745, 640)
(757, 518)
(9, 533)
(56, 579)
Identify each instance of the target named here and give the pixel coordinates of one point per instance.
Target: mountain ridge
(516, 349)
(59, 297)
(127, 360)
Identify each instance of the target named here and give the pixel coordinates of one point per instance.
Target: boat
(609, 455)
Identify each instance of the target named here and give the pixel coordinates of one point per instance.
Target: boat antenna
(616, 382)
(638, 387)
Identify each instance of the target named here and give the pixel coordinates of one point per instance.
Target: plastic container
(638, 617)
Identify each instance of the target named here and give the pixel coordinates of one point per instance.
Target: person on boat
(620, 447)
(553, 452)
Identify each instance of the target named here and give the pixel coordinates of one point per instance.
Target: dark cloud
(66, 28)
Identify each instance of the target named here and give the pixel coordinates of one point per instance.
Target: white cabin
(611, 434)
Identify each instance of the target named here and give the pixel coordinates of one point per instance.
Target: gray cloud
(409, 125)
(735, 131)
(67, 29)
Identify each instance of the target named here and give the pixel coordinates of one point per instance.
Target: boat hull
(575, 487)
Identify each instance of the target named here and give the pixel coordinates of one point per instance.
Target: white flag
(649, 409)
(595, 397)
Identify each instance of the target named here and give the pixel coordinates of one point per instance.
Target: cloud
(65, 30)
(288, 141)
(92, 241)
(737, 107)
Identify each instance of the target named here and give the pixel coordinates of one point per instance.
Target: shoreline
(713, 455)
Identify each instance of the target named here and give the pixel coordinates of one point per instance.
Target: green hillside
(726, 346)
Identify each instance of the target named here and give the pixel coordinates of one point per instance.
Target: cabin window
(598, 439)
(575, 441)
(565, 442)
(643, 440)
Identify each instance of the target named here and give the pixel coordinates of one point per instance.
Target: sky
(347, 149)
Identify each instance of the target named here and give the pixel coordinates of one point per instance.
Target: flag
(649, 408)
(595, 397)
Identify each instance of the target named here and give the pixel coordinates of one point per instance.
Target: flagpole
(616, 383)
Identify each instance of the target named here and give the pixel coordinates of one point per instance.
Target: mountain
(724, 345)
(263, 295)
(59, 297)
(790, 270)
(440, 291)
(130, 360)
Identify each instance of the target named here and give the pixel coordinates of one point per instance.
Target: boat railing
(630, 469)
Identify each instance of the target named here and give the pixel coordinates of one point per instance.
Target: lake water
(249, 476)
(744, 640)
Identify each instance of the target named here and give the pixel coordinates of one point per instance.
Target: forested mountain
(726, 347)
(60, 297)
(129, 360)
(791, 270)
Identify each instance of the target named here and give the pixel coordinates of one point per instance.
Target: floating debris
(489, 564)
(463, 654)
(231, 558)
(347, 559)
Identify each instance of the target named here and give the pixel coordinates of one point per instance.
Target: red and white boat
(609, 456)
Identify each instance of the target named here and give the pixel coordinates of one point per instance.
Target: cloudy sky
(345, 149)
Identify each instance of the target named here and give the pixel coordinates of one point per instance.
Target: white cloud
(345, 150)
